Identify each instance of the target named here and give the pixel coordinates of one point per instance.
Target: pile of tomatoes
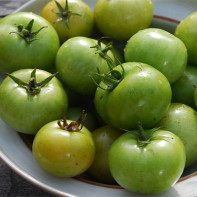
(130, 133)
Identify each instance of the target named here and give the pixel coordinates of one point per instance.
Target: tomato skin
(103, 138)
(76, 61)
(186, 31)
(182, 121)
(143, 95)
(120, 19)
(148, 169)
(17, 54)
(63, 153)
(159, 49)
(183, 89)
(28, 113)
(78, 25)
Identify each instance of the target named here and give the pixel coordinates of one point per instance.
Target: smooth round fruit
(78, 25)
(76, 61)
(183, 89)
(182, 121)
(26, 112)
(149, 167)
(159, 49)
(186, 31)
(63, 153)
(144, 95)
(120, 19)
(17, 53)
(103, 138)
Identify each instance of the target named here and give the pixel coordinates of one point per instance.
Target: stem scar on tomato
(26, 32)
(64, 13)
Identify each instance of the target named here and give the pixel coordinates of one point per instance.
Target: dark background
(11, 184)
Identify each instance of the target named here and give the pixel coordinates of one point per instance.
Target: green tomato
(61, 152)
(182, 121)
(151, 165)
(25, 111)
(19, 49)
(186, 31)
(120, 19)
(90, 122)
(103, 138)
(78, 22)
(159, 49)
(183, 89)
(76, 61)
(144, 95)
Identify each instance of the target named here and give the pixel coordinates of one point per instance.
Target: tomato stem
(64, 13)
(141, 132)
(113, 77)
(32, 87)
(74, 125)
(26, 32)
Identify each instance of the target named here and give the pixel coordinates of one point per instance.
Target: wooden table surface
(11, 184)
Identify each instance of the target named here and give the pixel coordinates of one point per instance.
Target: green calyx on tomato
(26, 32)
(64, 13)
(113, 77)
(74, 125)
(32, 87)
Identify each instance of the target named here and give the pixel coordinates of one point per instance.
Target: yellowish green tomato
(182, 121)
(70, 18)
(159, 49)
(120, 19)
(103, 138)
(64, 149)
(186, 31)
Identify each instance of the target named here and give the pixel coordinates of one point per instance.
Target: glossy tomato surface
(182, 121)
(148, 168)
(159, 49)
(16, 53)
(76, 61)
(120, 19)
(26, 112)
(63, 153)
(78, 25)
(186, 31)
(143, 95)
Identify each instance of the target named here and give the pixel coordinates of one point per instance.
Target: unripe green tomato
(120, 19)
(149, 166)
(159, 49)
(26, 112)
(76, 61)
(103, 138)
(182, 121)
(63, 153)
(186, 31)
(183, 89)
(78, 25)
(17, 53)
(144, 94)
